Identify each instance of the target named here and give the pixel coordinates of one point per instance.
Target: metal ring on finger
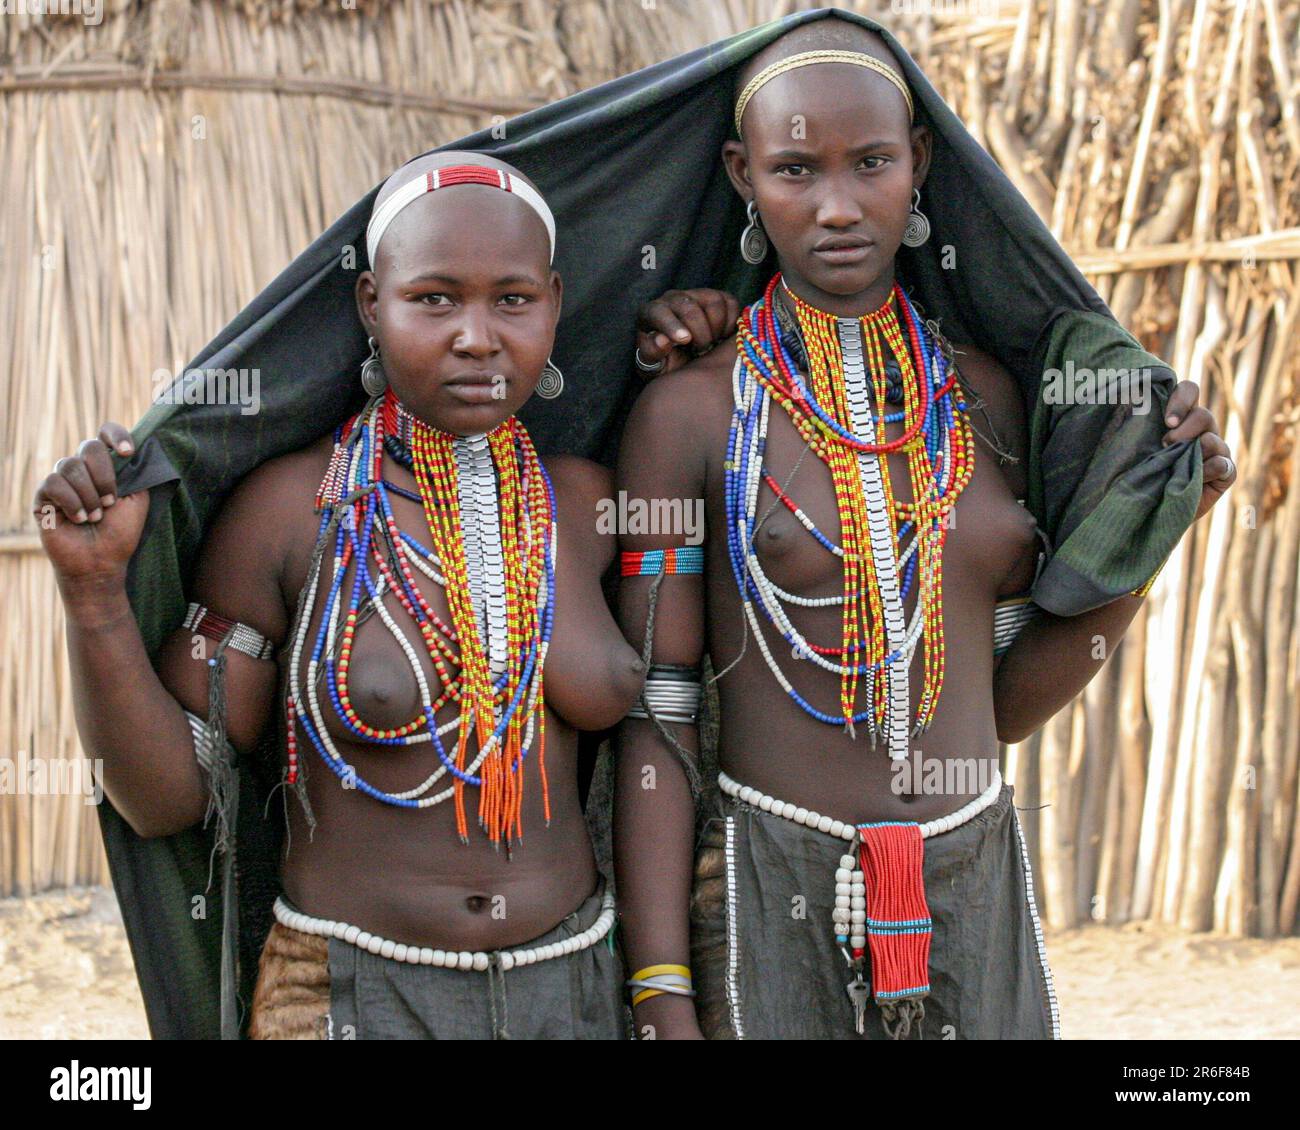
(646, 367)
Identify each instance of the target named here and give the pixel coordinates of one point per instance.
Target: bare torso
(767, 740)
(404, 873)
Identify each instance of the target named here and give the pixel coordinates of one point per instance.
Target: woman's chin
(840, 280)
(467, 418)
(472, 422)
(844, 282)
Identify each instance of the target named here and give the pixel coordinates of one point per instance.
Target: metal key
(859, 994)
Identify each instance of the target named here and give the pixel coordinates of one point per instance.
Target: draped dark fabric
(632, 171)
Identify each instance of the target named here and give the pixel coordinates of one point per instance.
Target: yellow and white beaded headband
(807, 58)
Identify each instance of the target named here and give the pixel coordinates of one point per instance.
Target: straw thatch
(165, 164)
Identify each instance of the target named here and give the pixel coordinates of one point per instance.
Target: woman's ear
(368, 302)
(557, 293)
(922, 148)
(736, 162)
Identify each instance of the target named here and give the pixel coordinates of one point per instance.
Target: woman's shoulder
(272, 508)
(699, 389)
(584, 491)
(287, 474)
(580, 486)
(679, 422)
(998, 411)
(574, 472)
(990, 379)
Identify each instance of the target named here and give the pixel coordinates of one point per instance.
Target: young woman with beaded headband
(863, 483)
(419, 594)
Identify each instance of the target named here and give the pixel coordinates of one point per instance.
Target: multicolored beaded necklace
(490, 510)
(882, 538)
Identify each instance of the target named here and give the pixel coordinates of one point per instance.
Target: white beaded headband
(435, 179)
(807, 58)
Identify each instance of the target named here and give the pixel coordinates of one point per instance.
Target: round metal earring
(373, 378)
(551, 383)
(753, 240)
(918, 226)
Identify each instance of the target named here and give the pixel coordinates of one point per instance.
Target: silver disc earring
(373, 378)
(551, 383)
(918, 227)
(753, 240)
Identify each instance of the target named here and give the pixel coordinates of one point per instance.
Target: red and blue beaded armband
(683, 559)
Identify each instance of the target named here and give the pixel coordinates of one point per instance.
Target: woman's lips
(477, 390)
(854, 253)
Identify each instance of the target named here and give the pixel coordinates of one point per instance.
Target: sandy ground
(65, 969)
(1147, 981)
(65, 973)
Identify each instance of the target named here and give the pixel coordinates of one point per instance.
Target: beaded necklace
(490, 510)
(881, 537)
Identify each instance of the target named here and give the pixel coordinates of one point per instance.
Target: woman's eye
(515, 299)
(879, 161)
(793, 170)
(435, 299)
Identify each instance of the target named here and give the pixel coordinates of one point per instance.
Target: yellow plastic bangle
(652, 970)
(1146, 588)
(646, 994)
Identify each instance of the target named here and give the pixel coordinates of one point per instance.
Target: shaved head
(819, 35)
(830, 157)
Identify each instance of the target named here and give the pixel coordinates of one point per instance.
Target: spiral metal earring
(551, 383)
(373, 378)
(918, 226)
(753, 240)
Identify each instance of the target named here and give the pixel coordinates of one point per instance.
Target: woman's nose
(474, 333)
(839, 206)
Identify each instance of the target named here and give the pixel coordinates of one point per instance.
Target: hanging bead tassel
(898, 922)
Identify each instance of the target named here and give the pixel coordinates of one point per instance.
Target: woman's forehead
(852, 101)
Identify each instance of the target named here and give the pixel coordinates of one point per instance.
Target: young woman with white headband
(418, 595)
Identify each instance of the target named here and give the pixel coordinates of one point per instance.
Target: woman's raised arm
(130, 719)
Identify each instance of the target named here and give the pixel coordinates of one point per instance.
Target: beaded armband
(672, 691)
(243, 639)
(1009, 618)
(683, 559)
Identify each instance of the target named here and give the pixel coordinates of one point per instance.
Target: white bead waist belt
(845, 829)
(899, 942)
(448, 959)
